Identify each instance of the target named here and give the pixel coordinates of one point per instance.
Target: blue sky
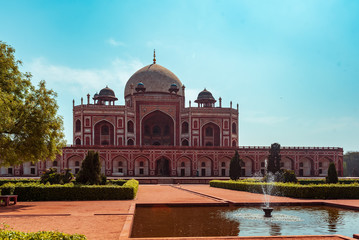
(292, 66)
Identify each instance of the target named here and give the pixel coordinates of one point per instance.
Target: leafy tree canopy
(351, 164)
(30, 129)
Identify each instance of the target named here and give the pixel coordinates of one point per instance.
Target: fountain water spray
(267, 191)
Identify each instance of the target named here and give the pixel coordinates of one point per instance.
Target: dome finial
(154, 56)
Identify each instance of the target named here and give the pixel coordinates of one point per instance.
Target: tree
(235, 167)
(274, 159)
(90, 172)
(351, 164)
(332, 174)
(30, 129)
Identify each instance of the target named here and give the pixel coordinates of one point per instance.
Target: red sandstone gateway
(155, 135)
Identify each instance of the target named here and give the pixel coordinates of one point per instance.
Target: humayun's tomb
(154, 135)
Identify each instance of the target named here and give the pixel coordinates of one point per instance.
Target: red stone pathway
(105, 219)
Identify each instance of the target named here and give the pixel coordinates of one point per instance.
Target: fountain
(267, 191)
(267, 211)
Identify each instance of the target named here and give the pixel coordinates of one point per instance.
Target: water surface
(168, 221)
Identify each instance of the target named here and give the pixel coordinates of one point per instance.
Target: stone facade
(155, 135)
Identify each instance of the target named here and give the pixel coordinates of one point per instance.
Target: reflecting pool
(168, 221)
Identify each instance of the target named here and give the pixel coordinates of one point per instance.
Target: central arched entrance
(162, 167)
(157, 129)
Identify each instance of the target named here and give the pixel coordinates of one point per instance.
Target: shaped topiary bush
(235, 167)
(90, 172)
(332, 174)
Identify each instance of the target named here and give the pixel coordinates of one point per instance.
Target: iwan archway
(157, 129)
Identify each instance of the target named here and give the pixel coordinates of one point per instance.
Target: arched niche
(104, 133)
(210, 135)
(287, 163)
(163, 167)
(223, 166)
(119, 166)
(78, 125)
(305, 167)
(185, 127)
(141, 166)
(74, 163)
(184, 167)
(204, 167)
(247, 167)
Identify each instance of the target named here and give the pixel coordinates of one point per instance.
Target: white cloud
(115, 43)
(76, 80)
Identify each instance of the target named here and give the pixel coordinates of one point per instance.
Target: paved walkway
(106, 219)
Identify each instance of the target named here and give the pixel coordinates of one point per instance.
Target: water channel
(169, 221)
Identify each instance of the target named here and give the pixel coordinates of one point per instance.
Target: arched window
(185, 127)
(78, 126)
(141, 164)
(130, 127)
(209, 131)
(156, 130)
(234, 143)
(211, 135)
(77, 164)
(185, 142)
(130, 142)
(182, 164)
(54, 163)
(223, 164)
(119, 123)
(105, 130)
(203, 164)
(120, 164)
(87, 122)
(234, 128)
(78, 141)
(104, 134)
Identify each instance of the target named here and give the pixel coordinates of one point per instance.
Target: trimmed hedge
(41, 235)
(18, 180)
(310, 191)
(71, 192)
(322, 181)
(119, 182)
